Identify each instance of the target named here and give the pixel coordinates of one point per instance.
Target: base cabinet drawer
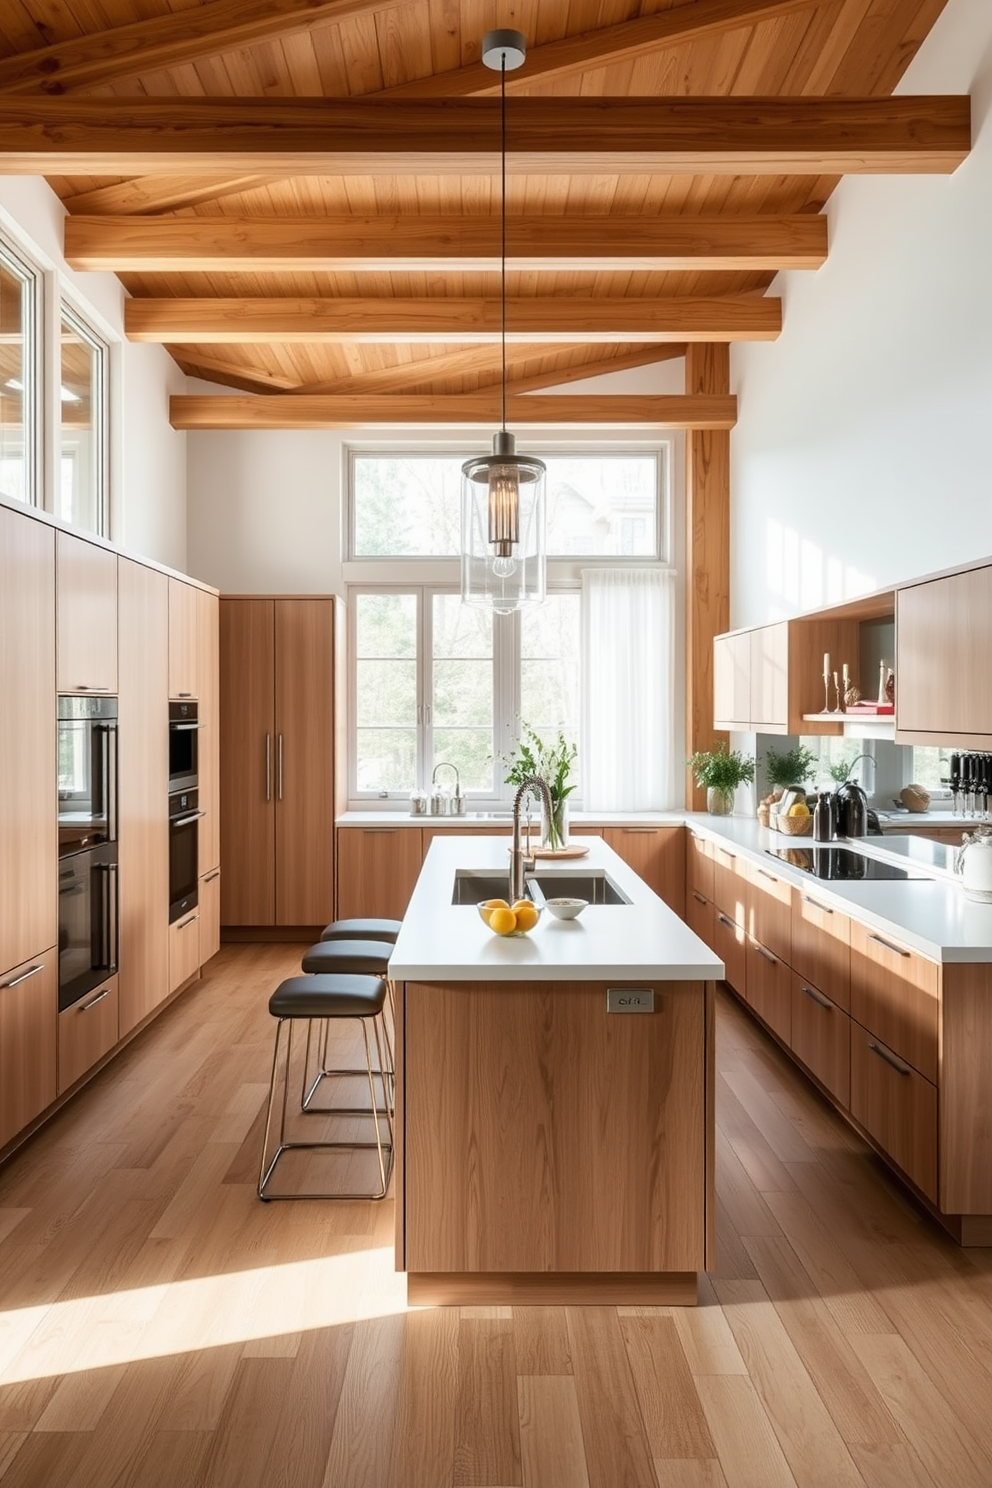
(209, 916)
(377, 869)
(699, 916)
(729, 883)
(87, 1031)
(730, 944)
(821, 1038)
(896, 993)
(769, 988)
(769, 911)
(184, 949)
(897, 1106)
(698, 865)
(821, 947)
(28, 1027)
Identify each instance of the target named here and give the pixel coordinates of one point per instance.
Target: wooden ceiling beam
(550, 319)
(426, 244)
(564, 136)
(591, 51)
(162, 193)
(170, 40)
(303, 411)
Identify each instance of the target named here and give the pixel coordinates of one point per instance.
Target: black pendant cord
(502, 240)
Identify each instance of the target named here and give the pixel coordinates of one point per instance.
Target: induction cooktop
(840, 863)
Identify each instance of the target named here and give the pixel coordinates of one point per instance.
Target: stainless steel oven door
(88, 922)
(184, 825)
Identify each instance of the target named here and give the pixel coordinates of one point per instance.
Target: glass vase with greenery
(719, 772)
(554, 763)
(789, 767)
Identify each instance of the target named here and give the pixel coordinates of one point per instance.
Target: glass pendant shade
(503, 556)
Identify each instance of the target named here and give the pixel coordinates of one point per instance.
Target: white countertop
(930, 914)
(501, 821)
(643, 940)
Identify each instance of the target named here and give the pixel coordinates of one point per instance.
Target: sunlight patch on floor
(205, 1312)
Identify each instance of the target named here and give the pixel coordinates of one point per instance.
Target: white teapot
(974, 863)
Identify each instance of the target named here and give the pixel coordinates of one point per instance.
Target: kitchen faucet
(534, 784)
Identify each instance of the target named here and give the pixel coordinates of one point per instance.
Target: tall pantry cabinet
(277, 719)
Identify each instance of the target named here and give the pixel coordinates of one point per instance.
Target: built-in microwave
(184, 867)
(184, 727)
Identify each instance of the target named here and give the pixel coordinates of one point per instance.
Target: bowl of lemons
(504, 918)
(795, 821)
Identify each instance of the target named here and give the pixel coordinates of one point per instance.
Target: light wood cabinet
(184, 949)
(769, 692)
(28, 778)
(87, 616)
(767, 678)
(821, 1039)
(657, 855)
(209, 907)
(208, 738)
(183, 645)
(944, 692)
(28, 1042)
(769, 989)
(488, 1065)
(698, 864)
(730, 883)
(769, 910)
(732, 680)
(144, 792)
(377, 869)
(895, 993)
(821, 947)
(278, 716)
(730, 944)
(699, 915)
(896, 1106)
(87, 1031)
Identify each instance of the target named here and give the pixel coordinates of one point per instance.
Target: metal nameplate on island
(630, 999)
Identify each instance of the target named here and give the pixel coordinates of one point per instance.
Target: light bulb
(504, 568)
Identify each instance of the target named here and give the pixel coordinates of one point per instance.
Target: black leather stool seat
(364, 957)
(362, 929)
(338, 996)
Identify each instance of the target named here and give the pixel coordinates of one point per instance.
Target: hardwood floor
(160, 1327)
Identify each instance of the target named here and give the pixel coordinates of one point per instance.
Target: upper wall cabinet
(87, 616)
(943, 688)
(183, 651)
(768, 678)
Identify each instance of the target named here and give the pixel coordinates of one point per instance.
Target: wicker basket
(793, 826)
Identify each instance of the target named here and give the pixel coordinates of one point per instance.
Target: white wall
(863, 451)
(148, 457)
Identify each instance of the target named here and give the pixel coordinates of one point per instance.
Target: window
(835, 755)
(20, 421)
(604, 505)
(81, 496)
(931, 768)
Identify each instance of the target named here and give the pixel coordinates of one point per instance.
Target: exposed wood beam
(250, 379)
(169, 41)
(593, 50)
(570, 136)
(302, 411)
(550, 319)
(162, 193)
(425, 244)
(641, 356)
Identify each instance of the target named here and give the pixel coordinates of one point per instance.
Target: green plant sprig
(721, 769)
(552, 762)
(790, 766)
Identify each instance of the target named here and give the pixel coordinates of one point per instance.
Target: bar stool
(351, 958)
(327, 999)
(362, 929)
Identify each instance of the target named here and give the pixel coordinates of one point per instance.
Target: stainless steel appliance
(184, 817)
(184, 727)
(87, 921)
(87, 732)
(841, 863)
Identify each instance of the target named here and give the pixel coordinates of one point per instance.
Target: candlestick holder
(839, 708)
(826, 692)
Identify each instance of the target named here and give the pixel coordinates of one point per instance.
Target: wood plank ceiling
(351, 252)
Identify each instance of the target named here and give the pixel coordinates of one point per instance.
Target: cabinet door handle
(85, 1007)
(16, 982)
(890, 1058)
(725, 854)
(767, 955)
(268, 767)
(897, 950)
(191, 921)
(382, 831)
(765, 874)
(724, 921)
(279, 767)
(817, 997)
(816, 904)
(84, 687)
(184, 694)
(699, 898)
(643, 831)
(211, 876)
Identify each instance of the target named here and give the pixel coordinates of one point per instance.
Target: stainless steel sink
(591, 884)
(472, 885)
(490, 815)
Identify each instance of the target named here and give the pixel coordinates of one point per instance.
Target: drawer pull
(83, 687)
(890, 1058)
(817, 997)
(897, 950)
(699, 898)
(641, 831)
(765, 874)
(767, 955)
(725, 854)
(816, 904)
(724, 921)
(22, 978)
(85, 1007)
(191, 921)
(211, 876)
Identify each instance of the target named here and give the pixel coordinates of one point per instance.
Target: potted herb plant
(720, 771)
(553, 763)
(790, 768)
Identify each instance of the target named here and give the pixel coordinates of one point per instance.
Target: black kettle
(851, 810)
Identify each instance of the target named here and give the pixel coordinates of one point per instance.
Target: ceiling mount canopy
(503, 559)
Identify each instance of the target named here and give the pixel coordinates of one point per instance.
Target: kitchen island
(554, 1094)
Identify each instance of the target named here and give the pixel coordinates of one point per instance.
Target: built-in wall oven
(87, 817)
(184, 818)
(184, 728)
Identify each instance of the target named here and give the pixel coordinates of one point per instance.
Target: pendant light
(503, 560)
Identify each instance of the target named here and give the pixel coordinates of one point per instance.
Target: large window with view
(19, 378)
(82, 491)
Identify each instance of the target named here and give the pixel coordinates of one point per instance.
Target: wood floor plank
(709, 1345)
(835, 1279)
(746, 1208)
(748, 1449)
(487, 1428)
(173, 1459)
(766, 1171)
(540, 1341)
(551, 1447)
(363, 1426)
(243, 1442)
(673, 1416)
(423, 1436)
(11, 1443)
(776, 1128)
(309, 1409)
(890, 1465)
(45, 1460)
(689, 1473)
(616, 1450)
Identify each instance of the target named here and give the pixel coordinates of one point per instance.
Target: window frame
(24, 268)
(100, 416)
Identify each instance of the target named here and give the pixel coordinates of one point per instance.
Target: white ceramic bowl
(565, 909)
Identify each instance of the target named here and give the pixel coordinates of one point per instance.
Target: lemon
(527, 915)
(488, 905)
(799, 809)
(503, 921)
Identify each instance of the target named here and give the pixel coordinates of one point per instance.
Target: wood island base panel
(561, 1289)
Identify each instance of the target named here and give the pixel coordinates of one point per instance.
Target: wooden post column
(707, 468)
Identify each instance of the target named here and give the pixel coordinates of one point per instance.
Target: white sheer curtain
(628, 682)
